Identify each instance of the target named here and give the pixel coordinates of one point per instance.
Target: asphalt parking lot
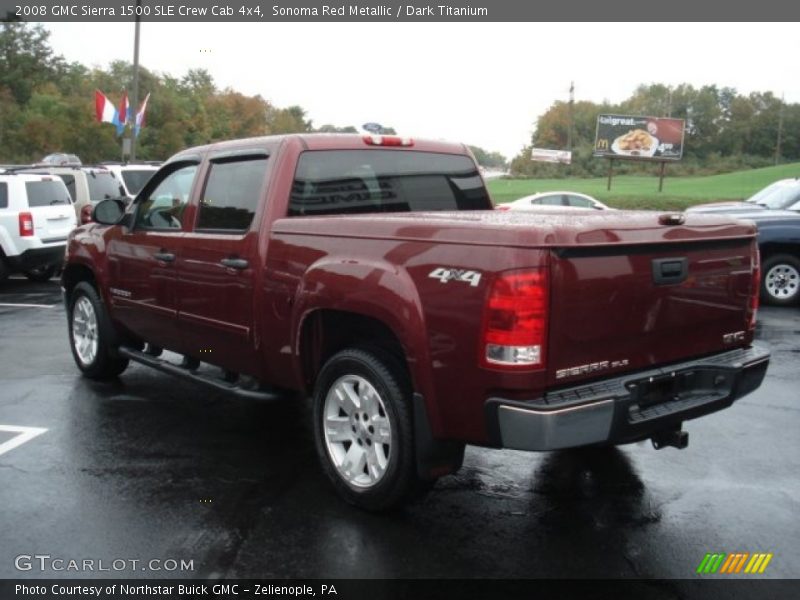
(150, 467)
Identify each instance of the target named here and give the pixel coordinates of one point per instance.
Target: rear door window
(551, 200)
(329, 182)
(47, 193)
(103, 185)
(578, 201)
(231, 196)
(69, 181)
(135, 180)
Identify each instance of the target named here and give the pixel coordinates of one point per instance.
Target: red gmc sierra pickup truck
(371, 274)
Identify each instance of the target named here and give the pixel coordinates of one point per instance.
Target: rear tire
(91, 335)
(363, 429)
(780, 280)
(41, 274)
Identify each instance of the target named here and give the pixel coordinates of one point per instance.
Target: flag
(139, 122)
(122, 117)
(106, 112)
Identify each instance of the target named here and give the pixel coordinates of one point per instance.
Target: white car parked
(132, 176)
(553, 200)
(36, 215)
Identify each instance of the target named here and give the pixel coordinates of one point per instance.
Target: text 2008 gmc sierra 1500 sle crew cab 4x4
(371, 273)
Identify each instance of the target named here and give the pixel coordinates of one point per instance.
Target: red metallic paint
(379, 266)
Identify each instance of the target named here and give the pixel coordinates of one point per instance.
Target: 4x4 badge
(445, 274)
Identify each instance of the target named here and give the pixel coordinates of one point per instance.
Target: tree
(489, 159)
(26, 59)
(287, 120)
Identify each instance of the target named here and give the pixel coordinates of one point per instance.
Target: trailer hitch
(672, 437)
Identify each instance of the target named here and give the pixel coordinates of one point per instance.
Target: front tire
(780, 280)
(91, 335)
(363, 429)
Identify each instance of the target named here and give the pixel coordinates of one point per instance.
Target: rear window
(47, 193)
(103, 185)
(3, 195)
(329, 182)
(135, 180)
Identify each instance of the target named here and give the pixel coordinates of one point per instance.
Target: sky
(479, 83)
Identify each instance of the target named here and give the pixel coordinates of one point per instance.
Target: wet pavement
(150, 467)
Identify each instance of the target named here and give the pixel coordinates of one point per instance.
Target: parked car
(58, 159)
(87, 185)
(779, 245)
(132, 176)
(780, 195)
(35, 218)
(371, 273)
(775, 211)
(554, 199)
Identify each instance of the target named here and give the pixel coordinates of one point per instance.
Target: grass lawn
(629, 191)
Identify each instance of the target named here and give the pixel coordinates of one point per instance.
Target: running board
(184, 373)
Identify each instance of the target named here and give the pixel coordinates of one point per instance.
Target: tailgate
(50, 205)
(621, 308)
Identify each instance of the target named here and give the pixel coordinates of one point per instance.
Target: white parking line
(25, 434)
(27, 305)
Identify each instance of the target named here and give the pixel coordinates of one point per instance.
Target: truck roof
(322, 141)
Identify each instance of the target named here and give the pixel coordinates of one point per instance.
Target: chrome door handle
(234, 263)
(164, 256)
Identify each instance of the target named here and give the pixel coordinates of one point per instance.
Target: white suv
(86, 185)
(133, 176)
(36, 215)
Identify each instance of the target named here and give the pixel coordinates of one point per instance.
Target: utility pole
(571, 114)
(669, 102)
(135, 96)
(780, 132)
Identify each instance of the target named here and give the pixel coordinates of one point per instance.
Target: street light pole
(571, 116)
(135, 95)
(780, 132)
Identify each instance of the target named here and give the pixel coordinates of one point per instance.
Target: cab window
(163, 208)
(231, 195)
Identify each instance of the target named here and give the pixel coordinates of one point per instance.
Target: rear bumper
(630, 407)
(34, 258)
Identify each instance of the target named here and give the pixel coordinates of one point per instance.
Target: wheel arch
(769, 249)
(73, 274)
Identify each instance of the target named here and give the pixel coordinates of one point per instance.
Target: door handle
(234, 263)
(164, 256)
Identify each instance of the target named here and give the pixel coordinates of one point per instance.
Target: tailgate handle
(668, 271)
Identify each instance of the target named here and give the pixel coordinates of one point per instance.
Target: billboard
(639, 138)
(553, 156)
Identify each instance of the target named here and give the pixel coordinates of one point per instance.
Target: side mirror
(109, 212)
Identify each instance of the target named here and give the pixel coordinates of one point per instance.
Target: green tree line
(47, 105)
(725, 131)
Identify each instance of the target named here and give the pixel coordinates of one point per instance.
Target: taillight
(755, 290)
(25, 224)
(514, 331)
(86, 214)
(387, 140)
